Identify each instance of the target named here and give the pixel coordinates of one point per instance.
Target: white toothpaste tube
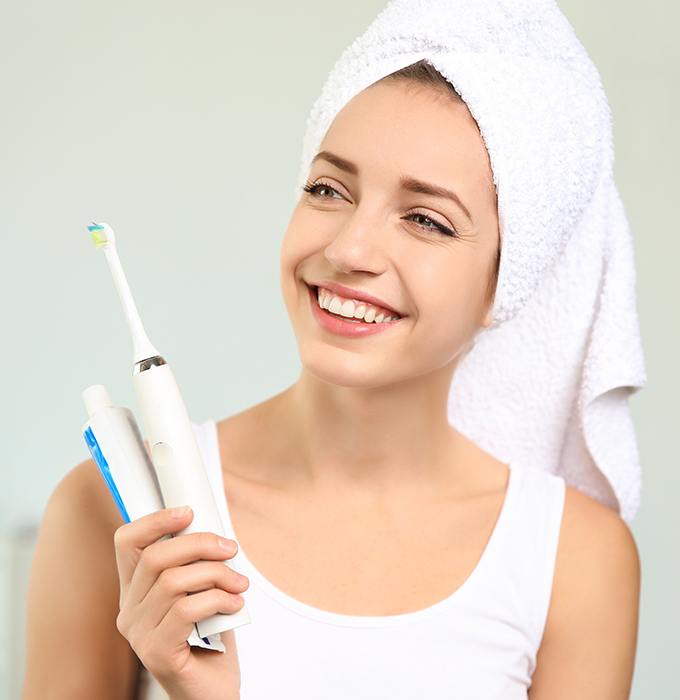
(116, 445)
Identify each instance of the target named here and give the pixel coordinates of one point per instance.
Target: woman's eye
(436, 226)
(315, 190)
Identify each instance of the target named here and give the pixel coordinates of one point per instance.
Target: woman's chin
(353, 373)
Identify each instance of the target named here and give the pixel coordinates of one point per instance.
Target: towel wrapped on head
(548, 383)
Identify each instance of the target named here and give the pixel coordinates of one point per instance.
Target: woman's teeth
(360, 312)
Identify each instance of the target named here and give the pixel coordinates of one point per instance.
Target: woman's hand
(156, 614)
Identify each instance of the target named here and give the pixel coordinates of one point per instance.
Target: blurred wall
(181, 125)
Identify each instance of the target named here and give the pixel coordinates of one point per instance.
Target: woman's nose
(357, 244)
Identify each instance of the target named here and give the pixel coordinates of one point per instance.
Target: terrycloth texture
(548, 383)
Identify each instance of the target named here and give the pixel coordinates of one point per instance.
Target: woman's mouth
(346, 325)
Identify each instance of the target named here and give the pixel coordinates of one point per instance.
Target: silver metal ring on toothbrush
(149, 362)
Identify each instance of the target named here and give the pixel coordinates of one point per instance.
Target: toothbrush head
(104, 238)
(102, 234)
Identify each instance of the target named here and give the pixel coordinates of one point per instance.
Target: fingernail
(179, 512)
(227, 545)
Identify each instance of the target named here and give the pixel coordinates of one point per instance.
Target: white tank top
(479, 643)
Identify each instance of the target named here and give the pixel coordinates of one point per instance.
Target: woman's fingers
(174, 583)
(165, 645)
(131, 539)
(171, 553)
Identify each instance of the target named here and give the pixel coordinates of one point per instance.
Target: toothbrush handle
(179, 466)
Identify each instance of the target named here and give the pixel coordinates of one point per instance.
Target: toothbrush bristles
(102, 234)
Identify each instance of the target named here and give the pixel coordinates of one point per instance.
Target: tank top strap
(529, 552)
(208, 444)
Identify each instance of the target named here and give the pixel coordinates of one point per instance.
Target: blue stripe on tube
(103, 465)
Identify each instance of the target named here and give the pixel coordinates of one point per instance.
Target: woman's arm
(589, 645)
(74, 650)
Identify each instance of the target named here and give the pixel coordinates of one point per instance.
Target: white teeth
(348, 309)
(360, 311)
(335, 305)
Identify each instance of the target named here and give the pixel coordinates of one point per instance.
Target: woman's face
(365, 230)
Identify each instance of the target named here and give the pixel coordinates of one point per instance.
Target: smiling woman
(402, 510)
(410, 189)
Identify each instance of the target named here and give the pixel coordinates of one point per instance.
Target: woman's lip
(338, 325)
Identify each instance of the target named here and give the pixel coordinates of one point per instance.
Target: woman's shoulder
(594, 543)
(73, 645)
(594, 606)
(84, 489)
(591, 529)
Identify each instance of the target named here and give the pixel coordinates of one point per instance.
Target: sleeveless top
(479, 643)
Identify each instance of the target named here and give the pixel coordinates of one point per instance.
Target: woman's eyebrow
(410, 184)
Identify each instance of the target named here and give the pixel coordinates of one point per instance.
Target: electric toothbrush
(174, 452)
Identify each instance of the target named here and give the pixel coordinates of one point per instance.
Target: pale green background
(181, 125)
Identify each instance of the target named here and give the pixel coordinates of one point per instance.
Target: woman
(387, 555)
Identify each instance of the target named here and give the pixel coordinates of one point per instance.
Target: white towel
(548, 382)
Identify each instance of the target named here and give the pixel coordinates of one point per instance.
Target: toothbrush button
(161, 454)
